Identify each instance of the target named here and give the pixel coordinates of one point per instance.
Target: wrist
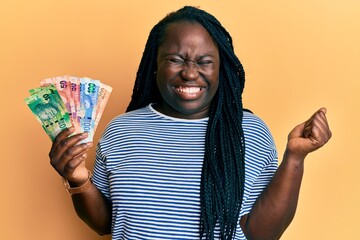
(78, 189)
(294, 158)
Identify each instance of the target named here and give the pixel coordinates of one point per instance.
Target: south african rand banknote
(82, 100)
(49, 109)
(69, 91)
(89, 90)
(103, 97)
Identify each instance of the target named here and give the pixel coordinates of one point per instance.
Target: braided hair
(223, 171)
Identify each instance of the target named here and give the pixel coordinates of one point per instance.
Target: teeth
(189, 89)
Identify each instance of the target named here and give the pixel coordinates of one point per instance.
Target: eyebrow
(180, 55)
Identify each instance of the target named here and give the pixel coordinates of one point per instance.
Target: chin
(190, 109)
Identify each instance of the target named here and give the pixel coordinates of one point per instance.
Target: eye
(205, 63)
(175, 60)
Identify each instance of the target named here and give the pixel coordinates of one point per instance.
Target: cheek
(164, 76)
(159, 79)
(214, 81)
(162, 81)
(214, 89)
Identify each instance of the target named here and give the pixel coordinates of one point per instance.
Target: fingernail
(324, 110)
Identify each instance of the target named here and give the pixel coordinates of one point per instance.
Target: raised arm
(275, 208)
(68, 159)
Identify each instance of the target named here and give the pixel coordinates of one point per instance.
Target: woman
(187, 161)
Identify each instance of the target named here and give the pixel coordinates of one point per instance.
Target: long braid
(145, 89)
(223, 172)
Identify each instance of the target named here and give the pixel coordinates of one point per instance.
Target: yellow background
(298, 56)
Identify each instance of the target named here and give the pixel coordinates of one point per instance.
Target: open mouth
(189, 90)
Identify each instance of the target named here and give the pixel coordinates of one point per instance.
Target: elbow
(103, 233)
(99, 228)
(102, 228)
(264, 237)
(254, 230)
(260, 235)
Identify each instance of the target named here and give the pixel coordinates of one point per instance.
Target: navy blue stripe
(149, 166)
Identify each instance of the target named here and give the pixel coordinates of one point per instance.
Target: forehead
(187, 33)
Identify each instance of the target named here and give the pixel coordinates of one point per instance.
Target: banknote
(49, 111)
(66, 101)
(50, 93)
(89, 90)
(75, 96)
(103, 97)
(63, 86)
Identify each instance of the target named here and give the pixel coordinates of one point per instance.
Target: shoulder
(126, 121)
(250, 120)
(256, 130)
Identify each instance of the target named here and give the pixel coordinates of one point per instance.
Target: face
(47, 113)
(187, 71)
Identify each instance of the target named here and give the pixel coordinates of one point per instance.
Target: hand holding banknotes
(67, 156)
(69, 109)
(66, 101)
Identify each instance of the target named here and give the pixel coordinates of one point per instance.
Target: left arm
(275, 208)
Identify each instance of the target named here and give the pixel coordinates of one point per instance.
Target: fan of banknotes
(65, 101)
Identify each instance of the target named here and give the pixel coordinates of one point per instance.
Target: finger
(62, 135)
(318, 137)
(321, 121)
(308, 126)
(307, 131)
(325, 123)
(318, 132)
(321, 115)
(323, 110)
(69, 148)
(63, 144)
(318, 116)
(312, 127)
(70, 154)
(70, 167)
(73, 152)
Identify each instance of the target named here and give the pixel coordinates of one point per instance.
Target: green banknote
(49, 109)
(65, 101)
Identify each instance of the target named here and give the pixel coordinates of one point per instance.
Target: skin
(187, 91)
(68, 159)
(188, 71)
(275, 208)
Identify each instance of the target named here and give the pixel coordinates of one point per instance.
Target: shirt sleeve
(261, 160)
(100, 176)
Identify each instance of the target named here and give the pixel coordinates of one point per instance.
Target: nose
(190, 71)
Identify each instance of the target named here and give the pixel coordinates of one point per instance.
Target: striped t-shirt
(149, 166)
